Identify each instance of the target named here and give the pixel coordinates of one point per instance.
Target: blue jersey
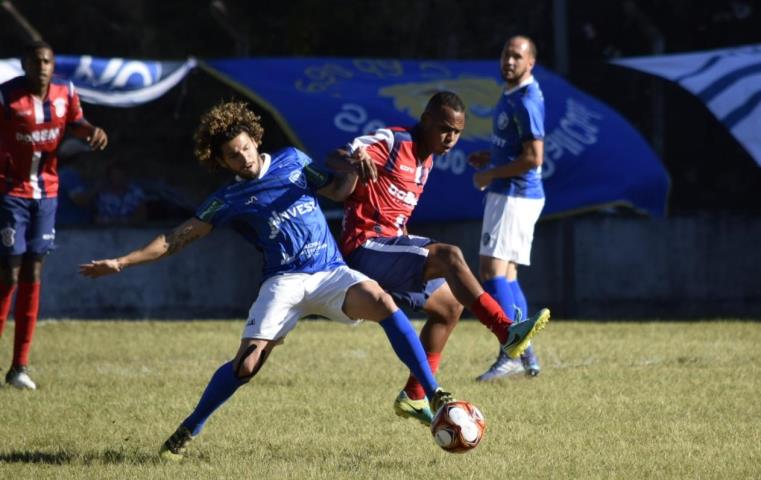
(278, 213)
(518, 117)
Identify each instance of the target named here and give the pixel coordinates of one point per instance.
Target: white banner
(728, 81)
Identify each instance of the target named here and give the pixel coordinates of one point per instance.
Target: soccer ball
(458, 427)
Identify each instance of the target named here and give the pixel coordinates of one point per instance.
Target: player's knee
(386, 302)
(248, 362)
(445, 313)
(448, 256)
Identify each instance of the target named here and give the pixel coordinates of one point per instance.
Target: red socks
(492, 316)
(413, 388)
(27, 307)
(6, 298)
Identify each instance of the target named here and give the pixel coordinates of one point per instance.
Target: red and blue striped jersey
(31, 129)
(382, 208)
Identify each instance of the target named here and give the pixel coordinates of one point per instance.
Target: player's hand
(480, 158)
(364, 165)
(482, 179)
(97, 139)
(99, 268)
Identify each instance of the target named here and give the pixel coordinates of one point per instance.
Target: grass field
(614, 400)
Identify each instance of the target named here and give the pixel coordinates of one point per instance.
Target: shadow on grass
(64, 457)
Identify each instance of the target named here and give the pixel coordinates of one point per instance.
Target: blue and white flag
(728, 81)
(115, 82)
(593, 157)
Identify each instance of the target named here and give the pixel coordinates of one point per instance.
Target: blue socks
(407, 346)
(221, 387)
(518, 297)
(499, 288)
(404, 340)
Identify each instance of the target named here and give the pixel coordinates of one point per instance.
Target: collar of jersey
(520, 85)
(262, 171)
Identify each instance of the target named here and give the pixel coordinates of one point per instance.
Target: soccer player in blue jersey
(512, 178)
(272, 203)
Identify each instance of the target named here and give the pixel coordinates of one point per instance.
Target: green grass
(614, 401)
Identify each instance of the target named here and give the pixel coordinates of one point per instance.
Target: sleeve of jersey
(377, 144)
(530, 121)
(213, 211)
(74, 114)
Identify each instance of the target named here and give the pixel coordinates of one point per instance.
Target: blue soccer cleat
(519, 335)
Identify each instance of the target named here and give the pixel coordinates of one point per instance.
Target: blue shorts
(27, 225)
(397, 264)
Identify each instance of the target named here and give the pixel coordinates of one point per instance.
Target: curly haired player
(272, 204)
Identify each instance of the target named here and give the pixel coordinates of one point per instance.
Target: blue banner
(593, 157)
(115, 82)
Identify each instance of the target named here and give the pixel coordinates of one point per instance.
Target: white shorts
(508, 227)
(286, 298)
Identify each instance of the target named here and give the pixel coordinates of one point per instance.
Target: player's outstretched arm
(161, 246)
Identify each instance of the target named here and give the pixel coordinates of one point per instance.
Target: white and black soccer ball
(458, 427)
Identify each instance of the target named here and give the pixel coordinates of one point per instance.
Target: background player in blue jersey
(515, 196)
(272, 204)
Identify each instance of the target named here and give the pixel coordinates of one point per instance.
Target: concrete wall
(590, 267)
(613, 267)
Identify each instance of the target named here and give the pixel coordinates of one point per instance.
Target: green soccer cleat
(519, 335)
(419, 410)
(173, 449)
(440, 398)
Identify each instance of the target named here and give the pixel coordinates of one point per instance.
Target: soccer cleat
(440, 398)
(174, 447)
(530, 362)
(419, 410)
(18, 377)
(519, 335)
(503, 366)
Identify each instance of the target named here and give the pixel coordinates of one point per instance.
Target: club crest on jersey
(297, 178)
(8, 235)
(60, 107)
(502, 120)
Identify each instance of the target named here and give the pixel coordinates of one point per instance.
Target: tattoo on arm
(180, 238)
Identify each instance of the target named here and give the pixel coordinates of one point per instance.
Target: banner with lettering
(727, 81)
(115, 82)
(593, 157)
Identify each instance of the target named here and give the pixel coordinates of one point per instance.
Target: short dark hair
(445, 99)
(35, 45)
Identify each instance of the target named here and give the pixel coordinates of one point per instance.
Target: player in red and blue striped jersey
(36, 110)
(394, 165)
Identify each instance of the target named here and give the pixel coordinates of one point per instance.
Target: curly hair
(221, 124)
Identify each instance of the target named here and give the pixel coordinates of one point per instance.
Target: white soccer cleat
(19, 378)
(504, 366)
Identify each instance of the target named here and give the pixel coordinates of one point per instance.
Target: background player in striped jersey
(37, 109)
(273, 204)
(394, 164)
(515, 195)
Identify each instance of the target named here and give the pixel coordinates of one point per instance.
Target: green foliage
(614, 400)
